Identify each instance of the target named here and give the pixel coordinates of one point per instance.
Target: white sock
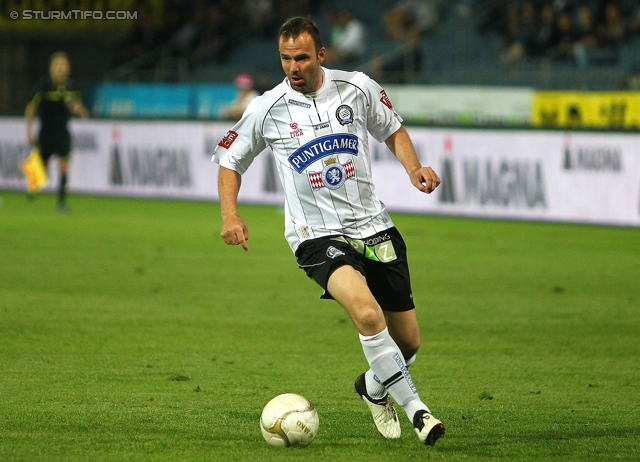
(387, 363)
(374, 388)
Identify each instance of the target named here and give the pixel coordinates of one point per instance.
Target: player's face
(60, 70)
(301, 63)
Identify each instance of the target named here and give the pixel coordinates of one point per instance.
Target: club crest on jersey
(344, 114)
(385, 99)
(333, 175)
(228, 139)
(321, 147)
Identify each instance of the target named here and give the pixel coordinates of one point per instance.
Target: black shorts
(60, 144)
(381, 258)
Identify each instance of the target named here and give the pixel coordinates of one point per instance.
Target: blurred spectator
(262, 17)
(426, 15)
(145, 36)
(402, 64)
(523, 27)
(563, 38)
(611, 33)
(220, 32)
(420, 16)
(286, 9)
(246, 93)
(186, 36)
(585, 33)
(348, 39)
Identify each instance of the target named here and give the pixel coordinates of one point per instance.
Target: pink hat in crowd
(244, 81)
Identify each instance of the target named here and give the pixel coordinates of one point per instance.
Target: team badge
(333, 175)
(344, 114)
(333, 252)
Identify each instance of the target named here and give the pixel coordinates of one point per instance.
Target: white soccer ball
(289, 420)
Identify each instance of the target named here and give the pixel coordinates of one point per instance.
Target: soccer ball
(289, 420)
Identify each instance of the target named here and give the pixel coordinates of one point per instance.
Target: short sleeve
(382, 119)
(242, 143)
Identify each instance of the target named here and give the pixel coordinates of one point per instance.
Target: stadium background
(525, 137)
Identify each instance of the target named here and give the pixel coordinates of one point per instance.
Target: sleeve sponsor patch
(228, 139)
(385, 99)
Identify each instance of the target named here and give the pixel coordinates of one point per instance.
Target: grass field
(129, 331)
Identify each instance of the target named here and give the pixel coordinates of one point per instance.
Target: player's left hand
(425, 179)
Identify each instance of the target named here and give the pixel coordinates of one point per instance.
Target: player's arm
(423, 178)
(77, 108)
(234, 230)
(29, 116)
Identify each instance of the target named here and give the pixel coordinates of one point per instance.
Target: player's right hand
(235, 232)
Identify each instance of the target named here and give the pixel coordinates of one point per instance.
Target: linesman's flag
(34, 171)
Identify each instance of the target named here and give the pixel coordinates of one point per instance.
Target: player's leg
(387, 274)
(403, 327)
(349, 288)
(62, 187)
(351, 291)
(405, 331)
(333, 258)
(63, 149)
(46, 151)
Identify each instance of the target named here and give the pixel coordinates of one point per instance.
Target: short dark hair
(295, 26)
(58, 54)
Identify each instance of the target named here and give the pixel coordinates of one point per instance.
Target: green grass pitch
(129, 331)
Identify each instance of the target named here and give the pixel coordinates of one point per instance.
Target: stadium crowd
(585, 33)
(207, 31)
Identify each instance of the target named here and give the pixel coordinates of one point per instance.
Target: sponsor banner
(616, 109)
(537, 175)
(462, 105)
(523, 174)
(140, 100)
(142, 159)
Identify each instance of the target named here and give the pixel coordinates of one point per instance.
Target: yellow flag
(34, 171)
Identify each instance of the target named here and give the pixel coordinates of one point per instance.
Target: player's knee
(369, 319)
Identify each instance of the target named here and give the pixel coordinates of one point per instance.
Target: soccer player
(55, 102)
(317, 123)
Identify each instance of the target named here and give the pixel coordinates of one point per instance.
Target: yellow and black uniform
(53, 107)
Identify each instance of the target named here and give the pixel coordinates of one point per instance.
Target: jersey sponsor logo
(344, 114)
(228, 139)
(332, 176)
(321, 126)
(376, 239)
(333, 252)
(321, 147)
(298, 103)
(385, 99)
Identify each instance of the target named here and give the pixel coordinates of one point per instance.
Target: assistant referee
(54, 102)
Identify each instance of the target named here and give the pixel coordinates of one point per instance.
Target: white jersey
(321, 146)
